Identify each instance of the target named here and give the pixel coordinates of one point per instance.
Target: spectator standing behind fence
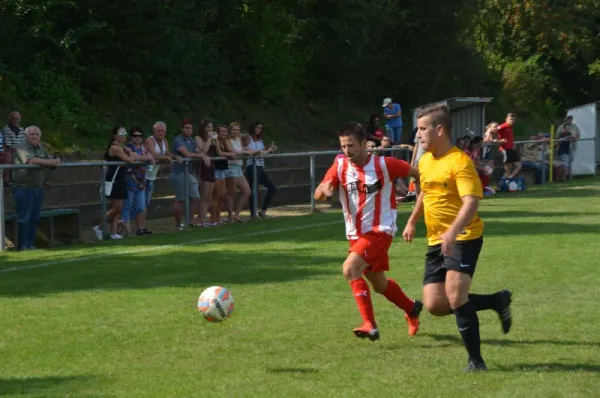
(114, 181)
(27, 185)
(221, 168)
(184, 146)
(234, 177)
(12, 136)
(5, 158)
(206, 143)
(257, 146)
(374, 132)
(569, 131)
(532, 157)
(485, 172)
(135, 183)
(157, 146)
(490, 138)
(512, 162)
(393, 113)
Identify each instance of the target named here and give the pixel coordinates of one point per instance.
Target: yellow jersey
(444, 181)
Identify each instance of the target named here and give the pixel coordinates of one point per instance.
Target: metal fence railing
(397, 152)
(546, 155)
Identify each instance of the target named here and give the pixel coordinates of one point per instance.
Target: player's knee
(349, 271)
(437, 306)
(456, 297)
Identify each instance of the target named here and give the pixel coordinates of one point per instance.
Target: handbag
(108, 185)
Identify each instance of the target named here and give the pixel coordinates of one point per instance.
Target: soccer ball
(513, 186)
(216, 304)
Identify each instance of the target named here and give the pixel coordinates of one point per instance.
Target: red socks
(394, 293)
(363, 300)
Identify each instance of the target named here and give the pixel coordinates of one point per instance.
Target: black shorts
(464, 259)
(511, 156)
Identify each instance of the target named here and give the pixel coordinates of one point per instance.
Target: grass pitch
(119, 319)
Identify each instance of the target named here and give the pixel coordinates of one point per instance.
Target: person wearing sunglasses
(115, 180)
(135, 184)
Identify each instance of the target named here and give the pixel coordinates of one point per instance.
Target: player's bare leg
(393, 292)
(435, 299)
(353, 268)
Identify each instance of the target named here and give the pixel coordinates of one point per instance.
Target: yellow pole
(551, 154)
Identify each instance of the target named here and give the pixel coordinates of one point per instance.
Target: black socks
(481, 302)
(468, 326)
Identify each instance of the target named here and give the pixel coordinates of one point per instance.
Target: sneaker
(410, 197)
(476, 366)
(146, 232)
(98, 232)
(179, 227)
(413, 318)
(504, 311)
(367, 330)
(116, 236)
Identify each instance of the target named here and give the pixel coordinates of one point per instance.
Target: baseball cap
(386, 102)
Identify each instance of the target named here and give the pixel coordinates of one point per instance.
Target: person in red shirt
(366, 184)
(511, 156)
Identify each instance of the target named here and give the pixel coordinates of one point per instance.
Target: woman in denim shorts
(234, 176)
(221, 169)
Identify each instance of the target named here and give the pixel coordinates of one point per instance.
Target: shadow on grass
(576, 190)
(504, 214)
(293, 370)
(317, 226)
(447, 338)
(172, 269)
(550, 367)
(35, 385)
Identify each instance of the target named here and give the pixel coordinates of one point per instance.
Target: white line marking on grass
(162, 247)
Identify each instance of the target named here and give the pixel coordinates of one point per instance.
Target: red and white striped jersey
(367, 193)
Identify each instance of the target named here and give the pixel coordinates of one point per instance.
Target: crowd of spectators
(212, 185)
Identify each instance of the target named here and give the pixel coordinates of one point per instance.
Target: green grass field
(120, 320)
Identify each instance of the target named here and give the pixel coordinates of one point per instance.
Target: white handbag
(108, 185)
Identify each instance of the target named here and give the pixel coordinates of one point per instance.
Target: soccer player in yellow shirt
(449, 198)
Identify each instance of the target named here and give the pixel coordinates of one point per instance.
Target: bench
(57, 225)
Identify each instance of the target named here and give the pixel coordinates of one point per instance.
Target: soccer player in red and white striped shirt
(366, 184)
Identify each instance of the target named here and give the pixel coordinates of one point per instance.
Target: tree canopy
(79, 67)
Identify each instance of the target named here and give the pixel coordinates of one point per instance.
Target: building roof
(579, 106)
(460, 102)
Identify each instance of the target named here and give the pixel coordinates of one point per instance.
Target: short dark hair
(477, 139)
(439, 114)
(353, 129)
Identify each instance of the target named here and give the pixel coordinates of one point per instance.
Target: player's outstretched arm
(324, 191)
(411, 224)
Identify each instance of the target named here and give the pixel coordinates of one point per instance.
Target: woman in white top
(256, 144)
(234, 177)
